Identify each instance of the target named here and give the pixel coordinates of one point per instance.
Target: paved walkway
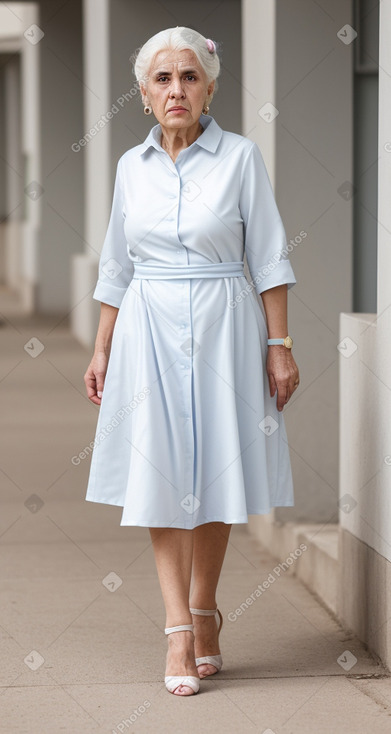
(83, 647)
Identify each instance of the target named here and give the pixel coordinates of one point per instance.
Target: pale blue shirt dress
(187, 431)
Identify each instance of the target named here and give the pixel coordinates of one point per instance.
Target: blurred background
(309, 81)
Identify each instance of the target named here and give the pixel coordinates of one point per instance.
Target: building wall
(3, 177)
(309, 156)
(20, 230)
(365, 408)
(62, 92)
(314, 157)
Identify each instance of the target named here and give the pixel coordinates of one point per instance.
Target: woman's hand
(282, 372)
(94, 377)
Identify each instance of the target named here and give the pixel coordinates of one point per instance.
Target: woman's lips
(177, 109)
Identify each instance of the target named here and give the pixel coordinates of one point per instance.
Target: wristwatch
(287, 342)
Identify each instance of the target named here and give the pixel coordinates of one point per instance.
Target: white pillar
(259, 75)
(382, 355)
(14, 167)
(31, 147)
(23, 227)
(97, 153)
(384, 169)
(258, 87)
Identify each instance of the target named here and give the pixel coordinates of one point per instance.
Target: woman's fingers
(282, 395)
(100, 379)
(94, 377)
(91, 382)
(272, 384)
(91, 388)
(283, 375)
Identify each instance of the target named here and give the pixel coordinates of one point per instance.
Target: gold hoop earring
(147, 110)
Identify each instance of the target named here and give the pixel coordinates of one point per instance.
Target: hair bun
(211, 45)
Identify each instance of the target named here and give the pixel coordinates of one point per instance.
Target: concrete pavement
(82, 622)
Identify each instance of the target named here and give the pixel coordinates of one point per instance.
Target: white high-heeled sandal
(215, 660)
(173, 681)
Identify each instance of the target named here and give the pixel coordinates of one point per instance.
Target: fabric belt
(207, 270)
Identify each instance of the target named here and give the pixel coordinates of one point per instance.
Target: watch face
(288, 342)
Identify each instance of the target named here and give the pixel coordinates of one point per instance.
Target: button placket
(184, 333)
(173, 217)
(185, 330)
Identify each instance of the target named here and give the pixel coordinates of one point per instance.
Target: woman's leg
(173, 549)
(209, 547)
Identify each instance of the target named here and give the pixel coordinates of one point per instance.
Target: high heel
(173, 681)
(215, 660)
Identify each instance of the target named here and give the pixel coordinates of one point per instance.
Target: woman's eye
(163, 78)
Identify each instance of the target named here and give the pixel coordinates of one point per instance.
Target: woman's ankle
(175, 620)
(203, 604)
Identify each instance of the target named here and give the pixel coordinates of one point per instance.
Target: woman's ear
(143, 92)
(211, 87)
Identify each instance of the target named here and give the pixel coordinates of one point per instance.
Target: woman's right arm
(96, 371)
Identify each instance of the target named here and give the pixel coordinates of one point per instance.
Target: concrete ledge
(364, 595)
(317, 567)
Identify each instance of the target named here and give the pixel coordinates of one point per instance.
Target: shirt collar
(209, 139)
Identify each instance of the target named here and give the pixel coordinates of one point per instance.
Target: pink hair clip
(211, 45)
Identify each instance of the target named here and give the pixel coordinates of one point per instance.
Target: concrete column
(364, 599)
(258, 88)
(22, 229)
(97, 159)
(295, 71)
(32, 157)
(13, 173)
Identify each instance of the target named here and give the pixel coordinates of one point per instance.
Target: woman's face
(176, 80)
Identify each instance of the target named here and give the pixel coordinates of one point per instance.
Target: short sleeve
(115, 267)
(265, 242)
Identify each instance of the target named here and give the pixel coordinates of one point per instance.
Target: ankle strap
(178, 628)
(203, 612)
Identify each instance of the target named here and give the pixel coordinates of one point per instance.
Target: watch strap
(287, 341)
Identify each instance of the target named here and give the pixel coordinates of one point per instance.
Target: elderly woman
(190, 369)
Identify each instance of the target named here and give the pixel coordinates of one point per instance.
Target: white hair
(177, 39)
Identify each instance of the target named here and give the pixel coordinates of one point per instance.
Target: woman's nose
(176, 86)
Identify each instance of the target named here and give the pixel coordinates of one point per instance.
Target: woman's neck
(175, 140)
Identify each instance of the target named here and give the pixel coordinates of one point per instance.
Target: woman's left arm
(281, 368)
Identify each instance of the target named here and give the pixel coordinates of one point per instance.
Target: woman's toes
(206, 669)
(183, 691)
(180, 660)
